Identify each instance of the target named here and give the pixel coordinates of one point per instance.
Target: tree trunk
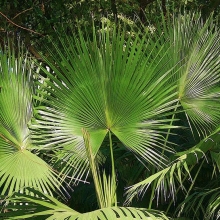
(114, 10)
(163, 3)
(142, 6)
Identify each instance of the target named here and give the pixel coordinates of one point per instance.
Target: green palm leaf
(195, 43)
(205, 201)
(23, 207)
(19, 167)
(174, 174)
(107, 83)
(196, 50)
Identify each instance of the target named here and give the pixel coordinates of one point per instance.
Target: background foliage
(34, 20)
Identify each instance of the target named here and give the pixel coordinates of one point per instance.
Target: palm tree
(113, 91)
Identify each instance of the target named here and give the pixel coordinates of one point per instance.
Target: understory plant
(129, 112)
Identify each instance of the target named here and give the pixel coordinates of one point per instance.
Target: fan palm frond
(195, 44)
(19, 167)
(107, 83)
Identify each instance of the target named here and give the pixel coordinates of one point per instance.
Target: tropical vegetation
(116, 120)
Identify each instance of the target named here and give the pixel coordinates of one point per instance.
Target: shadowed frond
(205, 202)
(167, 179)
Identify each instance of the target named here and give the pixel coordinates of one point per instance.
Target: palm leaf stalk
(191, 186)
(105, 188)
(165, 143)
(113, 176)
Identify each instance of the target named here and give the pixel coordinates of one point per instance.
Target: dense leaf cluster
(111, 114)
